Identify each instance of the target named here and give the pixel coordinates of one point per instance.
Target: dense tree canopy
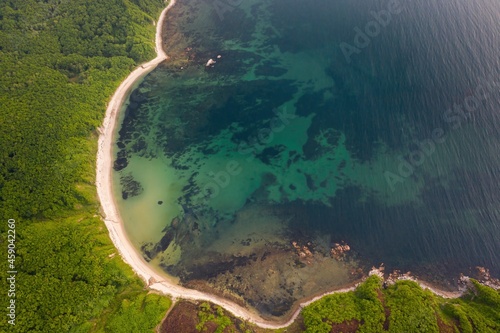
(61, 60)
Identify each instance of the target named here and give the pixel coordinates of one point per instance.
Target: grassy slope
(405, 307)
(60, 62)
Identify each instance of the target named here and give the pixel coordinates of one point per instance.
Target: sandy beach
(114, 223)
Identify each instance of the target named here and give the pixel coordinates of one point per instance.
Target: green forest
(60, 61)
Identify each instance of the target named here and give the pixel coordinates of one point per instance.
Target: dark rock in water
(175, 222)
(212, 268)
(165, 241)
(132, 106)
(130, 187)
(120, 164)
(270, 153)
(267, 69)
(130, 113)
(187, 229)
(160, 202)
(139, 145)
(268, 179)
(150, 252)
(137, 97)
(146, 250)
(310, 182)
(264, 256)
(246, 242)
(121, 161)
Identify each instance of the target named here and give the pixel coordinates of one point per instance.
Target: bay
(321, 124)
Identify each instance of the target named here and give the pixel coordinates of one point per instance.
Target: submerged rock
(339, 251)
(130, 187)
(121, 161)
(210, 62)
(150, 251)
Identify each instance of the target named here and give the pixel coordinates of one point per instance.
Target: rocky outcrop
(339, 251)
(304, 252)
(485, 278)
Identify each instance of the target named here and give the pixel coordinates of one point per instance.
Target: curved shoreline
(115, 226)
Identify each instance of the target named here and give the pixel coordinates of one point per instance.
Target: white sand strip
(115, 225)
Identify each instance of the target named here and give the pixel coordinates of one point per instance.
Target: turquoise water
(373, 123)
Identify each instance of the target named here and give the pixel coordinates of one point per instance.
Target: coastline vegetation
(60, 63)
(405, 307)
(372, 307)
